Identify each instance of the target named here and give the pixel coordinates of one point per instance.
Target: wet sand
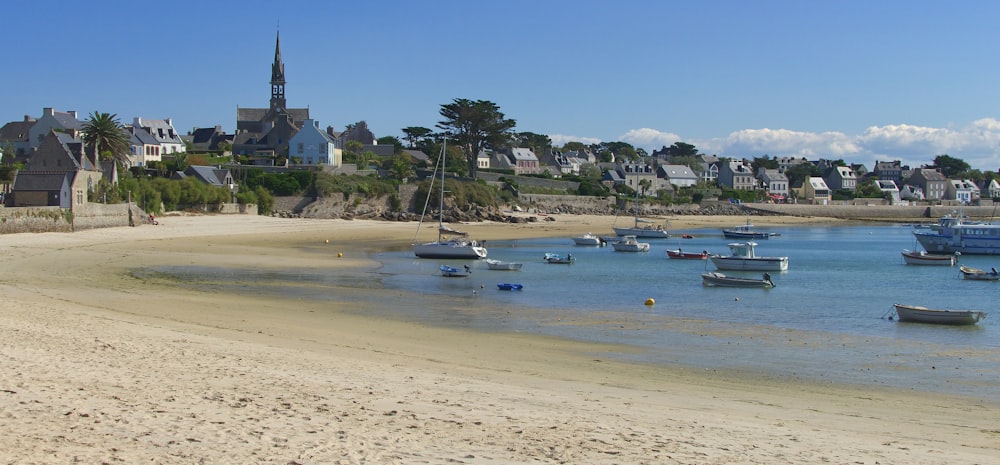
(102, 364)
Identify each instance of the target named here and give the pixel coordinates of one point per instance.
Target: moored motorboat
(510, 286)
(687, 255)
(588, 239)
(721, 280)
(912, 257)
(630, 244)
(556, 258)
(743, 257)
(746, 231)
(954, 233)
(975, 274)
(917, 314)
(452, 272)
(500, 265)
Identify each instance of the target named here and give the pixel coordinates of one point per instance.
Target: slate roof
(40, 180)
(16, 131)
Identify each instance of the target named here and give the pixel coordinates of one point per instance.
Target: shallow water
(826, 319)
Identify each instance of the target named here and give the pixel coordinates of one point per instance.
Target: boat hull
(915, 314)
(510, 286)
(502, 266)
(645, 233)
(721, 280)
(975, 274)
(746, 235)
(920, 258)
(450, 249)
(750, 263)
(953, 234)
(630, 244)
(452, 272)
(588, 239)
(678, 254)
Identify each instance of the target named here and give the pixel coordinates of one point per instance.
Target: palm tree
(104, 134)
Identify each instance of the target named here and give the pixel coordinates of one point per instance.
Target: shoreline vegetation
(102, 364)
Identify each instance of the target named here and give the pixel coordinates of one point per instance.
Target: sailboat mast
(444, 153)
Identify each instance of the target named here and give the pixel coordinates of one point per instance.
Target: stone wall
(34, 219)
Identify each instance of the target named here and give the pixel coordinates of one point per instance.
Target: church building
(263, 134)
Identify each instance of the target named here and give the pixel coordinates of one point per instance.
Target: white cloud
(559, 140)
(649, 139)
(977, 143)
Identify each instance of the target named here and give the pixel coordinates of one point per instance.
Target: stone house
(737, 175)
(931, 181)
(840, 178)
(61, 172)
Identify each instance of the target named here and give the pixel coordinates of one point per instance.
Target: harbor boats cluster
(938, 240)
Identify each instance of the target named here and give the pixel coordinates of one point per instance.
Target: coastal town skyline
(893, 81)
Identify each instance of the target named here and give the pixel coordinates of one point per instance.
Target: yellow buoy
(650, 301)
(328, 241)
(340, 254)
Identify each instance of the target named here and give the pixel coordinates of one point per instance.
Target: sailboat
(450, 243)
(641, 228)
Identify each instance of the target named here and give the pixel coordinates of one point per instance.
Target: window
(301, 147)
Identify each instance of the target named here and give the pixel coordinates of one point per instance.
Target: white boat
(452, 272)
(953, 233)
(721, 280)
(588, 239)
(642, 228)
(630, 244)
(746, 231)
(912, 257)
(915, 314)
(556, 258)
(450, 243)
(743, 257)
(501, 265)
(975, 274)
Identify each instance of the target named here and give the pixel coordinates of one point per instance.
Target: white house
(314, 146)
(889, 188)
(962, 190)
(679, 175)
(163, 131)
(775, 182)
(51, 119)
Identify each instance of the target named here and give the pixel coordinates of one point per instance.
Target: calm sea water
(826, 319)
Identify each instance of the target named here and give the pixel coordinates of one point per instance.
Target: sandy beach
(102, 364)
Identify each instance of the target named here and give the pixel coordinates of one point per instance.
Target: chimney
(72, 113)
(48, 112)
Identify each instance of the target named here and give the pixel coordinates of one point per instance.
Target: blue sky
(857, 80)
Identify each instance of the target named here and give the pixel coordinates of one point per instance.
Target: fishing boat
(976, 274)
(956, 234)
(450, 243)
(915, 314)
(912, 257)
(687, 255)
(630, 244)
(642, 228)
(721, 280)
(510, 286)
(588, 239)
(452, 272)
(556, 258)
(501, 265)
(743, 257)
(746, 231)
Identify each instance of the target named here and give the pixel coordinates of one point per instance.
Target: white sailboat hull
(645, 233)
(450, 249)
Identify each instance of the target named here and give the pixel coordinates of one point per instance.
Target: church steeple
(277, 77)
